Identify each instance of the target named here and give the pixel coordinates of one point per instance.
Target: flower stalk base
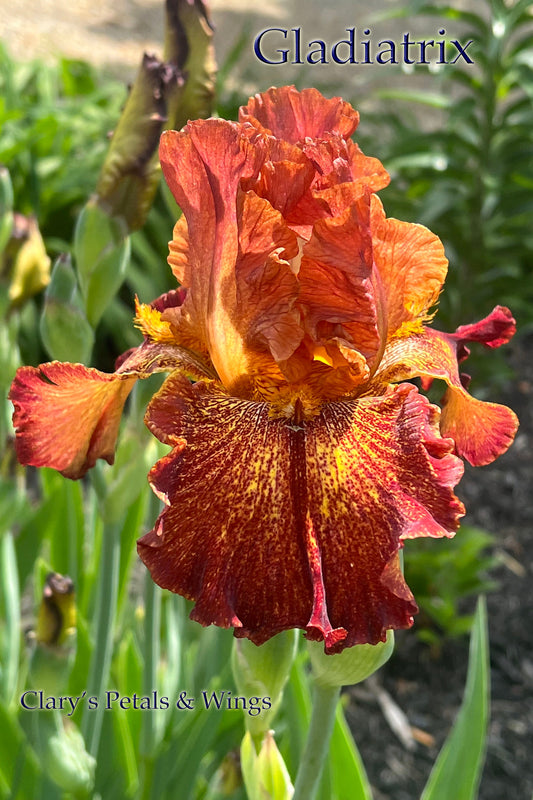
(325, 699)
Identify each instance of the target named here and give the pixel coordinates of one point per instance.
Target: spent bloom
(301, 458)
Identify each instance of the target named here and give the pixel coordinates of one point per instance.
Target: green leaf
(20, 774)
(64, 329)
(425, 98)
(102, 252)
(348, 776)
(457, 771)
(10, 603)
(176, 769)
(6, 207)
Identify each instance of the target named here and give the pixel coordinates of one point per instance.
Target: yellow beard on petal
(149, 322)
(409, 327)
(296, 403)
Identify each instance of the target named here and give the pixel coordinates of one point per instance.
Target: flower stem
(103, 648)
(152, 622)
(325, 700)
(149, 731)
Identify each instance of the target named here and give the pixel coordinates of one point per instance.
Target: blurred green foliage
(460, 156)
(443, 574)
(54, 126)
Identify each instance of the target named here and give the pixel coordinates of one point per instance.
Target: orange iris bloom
(300, 459)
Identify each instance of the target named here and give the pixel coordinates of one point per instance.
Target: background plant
(461, 157)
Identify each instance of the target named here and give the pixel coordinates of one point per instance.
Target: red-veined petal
(482, 431)
(68, 415)
(271, 524)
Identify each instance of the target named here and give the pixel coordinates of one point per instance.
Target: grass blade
(457, 771)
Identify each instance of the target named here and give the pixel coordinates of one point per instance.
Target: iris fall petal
(482, 431)
(270, 526)
(67, 415)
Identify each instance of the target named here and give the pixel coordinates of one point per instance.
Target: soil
(428, 685)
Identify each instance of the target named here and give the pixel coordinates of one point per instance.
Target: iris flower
(301, 455)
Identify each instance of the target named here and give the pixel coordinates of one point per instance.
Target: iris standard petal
(293, 115)
(411, 264)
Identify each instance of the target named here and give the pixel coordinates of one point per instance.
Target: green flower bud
(64, 329)
(265, 774)
(56, 622)
(101, 251)
(130, 174)
(189, 45)
(351, 666)
(227, 780)
(263, 672)
(68, 763)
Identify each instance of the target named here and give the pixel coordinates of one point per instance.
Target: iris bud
(262, 672)
(189, 45)
(54, 637)
(68, 763)
(264, 773)
(131, 172)
(351, 666)
(27, 260)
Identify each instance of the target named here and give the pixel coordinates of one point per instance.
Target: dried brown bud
(130, 174)
(189, 45)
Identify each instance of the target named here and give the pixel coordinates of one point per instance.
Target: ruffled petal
(293, 115)
(236, 248)
(178, 257)
(285, 175)
(337, 161)
(266, 285)
(481, 431)
(493, 331)
(67, 415)
(340, 172)
(203, 166)
(411, 264)
(336, 291)
(272, 524)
